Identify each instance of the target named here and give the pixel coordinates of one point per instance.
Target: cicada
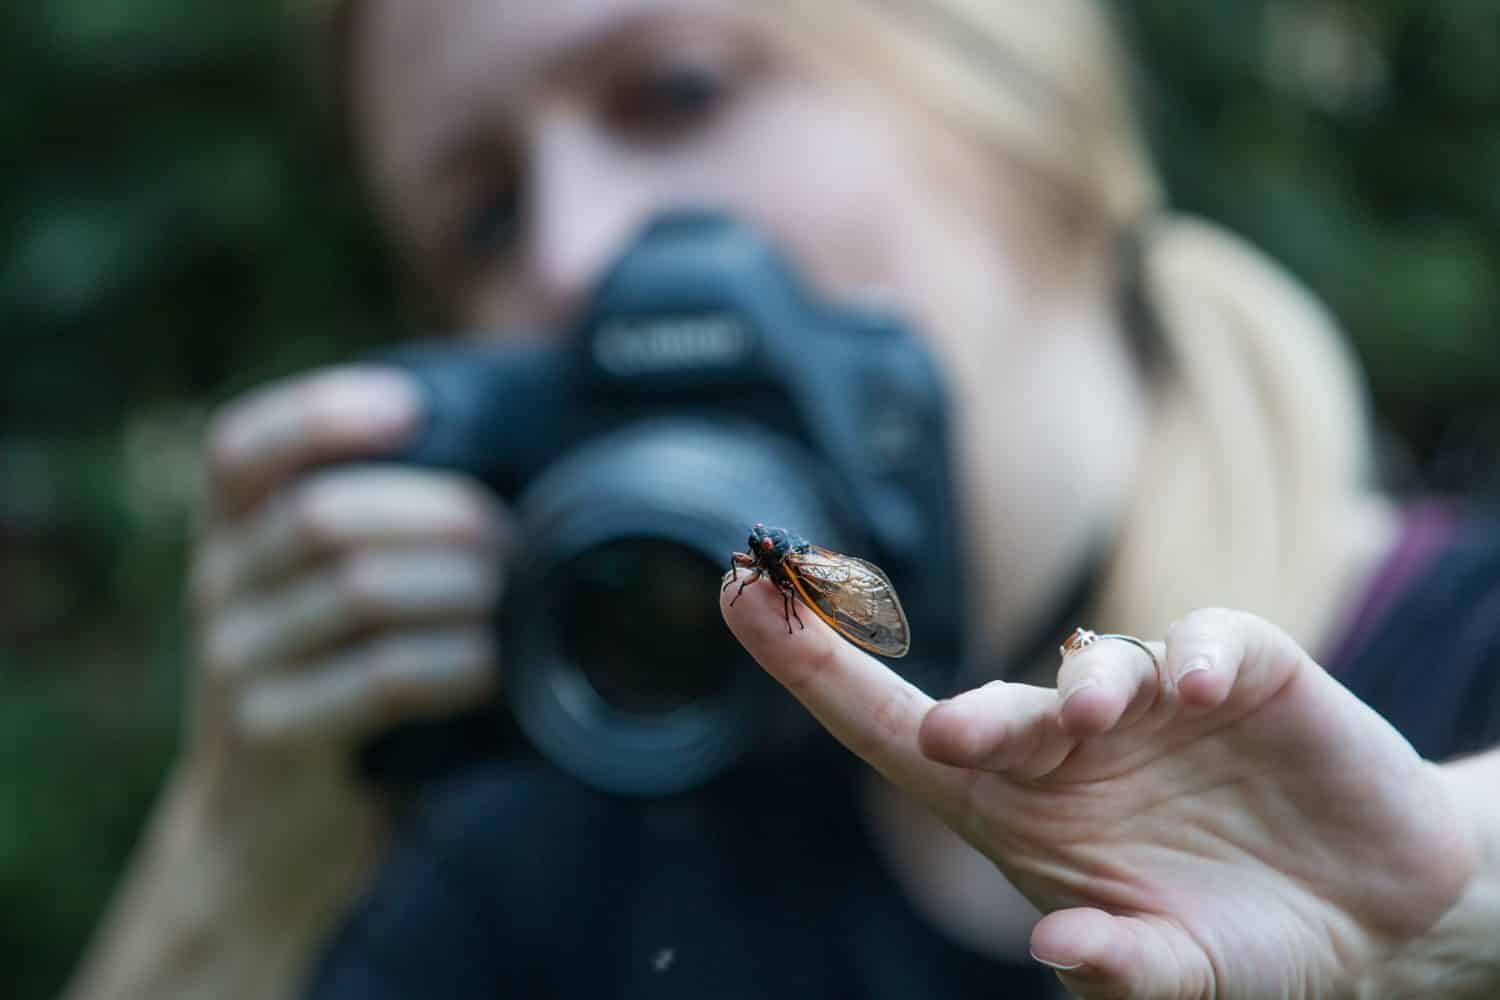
(854, 597)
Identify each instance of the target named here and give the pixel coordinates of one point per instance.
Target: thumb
(1097, 954)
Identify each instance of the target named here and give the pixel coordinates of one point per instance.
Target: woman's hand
(1235, 824)
(331, 600)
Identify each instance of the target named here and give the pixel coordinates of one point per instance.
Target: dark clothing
(513, 881)
(1424, 649)
(518, 882)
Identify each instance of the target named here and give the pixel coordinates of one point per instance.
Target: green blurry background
(176, 224)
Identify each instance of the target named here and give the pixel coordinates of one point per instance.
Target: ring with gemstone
(1082, 639)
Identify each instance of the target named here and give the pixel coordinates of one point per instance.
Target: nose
(584, 203)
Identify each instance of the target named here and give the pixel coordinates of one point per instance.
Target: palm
(1257, 831)
(1240, 837)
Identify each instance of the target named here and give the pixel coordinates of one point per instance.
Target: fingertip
(751, 611)
(759, 618)
(280, 429)
(1075, 941)
(362, 410)
(384, 399)
(1249, 659)
(1201, 686)
(947, 735)
(741, 607)
(1095, 954)
(1099, 954)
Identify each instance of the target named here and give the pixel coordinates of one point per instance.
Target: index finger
(868, 707)
(275, 432)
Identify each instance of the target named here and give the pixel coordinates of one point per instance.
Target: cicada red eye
(767, 544)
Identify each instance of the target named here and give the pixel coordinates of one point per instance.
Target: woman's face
(514, 146)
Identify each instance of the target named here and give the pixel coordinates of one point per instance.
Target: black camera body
(702, 390)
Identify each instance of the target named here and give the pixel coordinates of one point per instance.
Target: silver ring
(1082, 639)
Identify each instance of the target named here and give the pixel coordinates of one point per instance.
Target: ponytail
(1258, 443)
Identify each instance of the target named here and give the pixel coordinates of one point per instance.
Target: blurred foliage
(177, 224)
(1357, 142)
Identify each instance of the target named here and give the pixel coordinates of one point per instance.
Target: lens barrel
(619, 667)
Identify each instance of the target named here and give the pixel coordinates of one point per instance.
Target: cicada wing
(853, 596)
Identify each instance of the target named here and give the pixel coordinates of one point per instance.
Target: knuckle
(1217, 634)
(1260, 639)
(1203, 624)
(470, 513)
(1216, 617)
(973, 746)
(972, 820)
(892, 716)
(473, 500)
(308, 507)
(1250, 623)
(359, 586)
(323, 403)
(230, 427)
(317, 399)
(1091, 662)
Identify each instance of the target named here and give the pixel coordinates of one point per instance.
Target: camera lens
(640, 618)
(619, 667)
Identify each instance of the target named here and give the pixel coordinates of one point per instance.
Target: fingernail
(1194, 665)
(1083, 685)
(1057, 965)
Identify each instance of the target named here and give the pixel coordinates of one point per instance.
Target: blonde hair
(1259, 443)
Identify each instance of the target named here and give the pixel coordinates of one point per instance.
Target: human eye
(666, 101)
(490, 222)
(668, 93)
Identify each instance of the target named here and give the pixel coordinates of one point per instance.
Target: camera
(704, 388)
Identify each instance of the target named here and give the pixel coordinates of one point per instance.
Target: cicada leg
(736, 560)
(747, 582)
(789, 609)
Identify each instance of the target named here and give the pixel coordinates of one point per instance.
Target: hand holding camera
(332, 599)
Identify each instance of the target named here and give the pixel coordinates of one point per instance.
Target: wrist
(197, 914)
(1459, 957)
(277, 871)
